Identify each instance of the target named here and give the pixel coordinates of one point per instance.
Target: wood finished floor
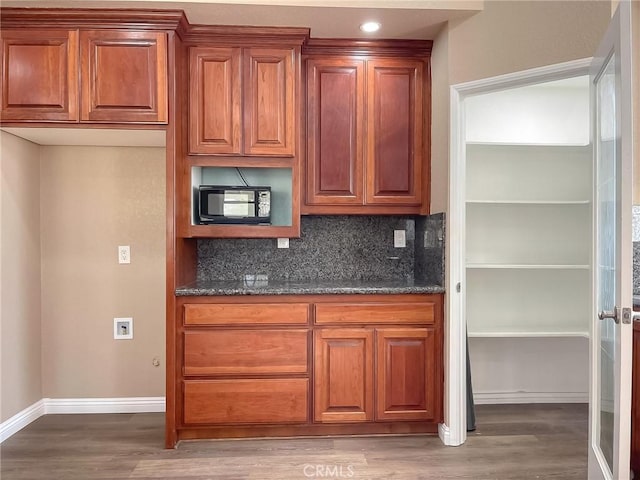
(511, 442)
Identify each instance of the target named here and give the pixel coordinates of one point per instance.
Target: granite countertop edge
(305, 290)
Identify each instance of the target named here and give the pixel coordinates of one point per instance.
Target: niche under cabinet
(279, 180)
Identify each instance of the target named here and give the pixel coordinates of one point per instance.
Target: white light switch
(399, 238)
(283, 243)
(124, 254)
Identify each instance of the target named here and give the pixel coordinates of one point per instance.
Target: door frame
(453, 431)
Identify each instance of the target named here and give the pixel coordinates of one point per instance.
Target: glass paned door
(610, 347)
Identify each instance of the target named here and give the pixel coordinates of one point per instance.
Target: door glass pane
(606, 151)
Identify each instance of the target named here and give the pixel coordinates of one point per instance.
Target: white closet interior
(528, 242)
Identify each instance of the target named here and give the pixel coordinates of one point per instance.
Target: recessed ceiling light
(370, 27)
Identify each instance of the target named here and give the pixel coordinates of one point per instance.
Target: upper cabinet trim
(365, 47)
(103, 19)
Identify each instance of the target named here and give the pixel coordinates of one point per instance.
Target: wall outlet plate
(399, 238)
(123, 328)
(283, 243)
(124, 254)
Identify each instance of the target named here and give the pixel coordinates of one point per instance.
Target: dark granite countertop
(262, 286)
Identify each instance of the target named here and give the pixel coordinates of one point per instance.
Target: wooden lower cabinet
(406, 384)
(397, 375)
(240, 401)
(296, 365)
(635, 402)
(343, 367)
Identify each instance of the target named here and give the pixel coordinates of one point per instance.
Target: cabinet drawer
(258, 313)
(397, 313)
(245, 352)
(246, 401)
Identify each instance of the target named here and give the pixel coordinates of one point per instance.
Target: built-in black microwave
(223, 204)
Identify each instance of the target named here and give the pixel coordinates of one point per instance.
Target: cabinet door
(215, 101)
(635, 401)
(395, 128)
(39, 79)
(406, 370)
(124, 76)
(335, 117)
(343, 363)
(269, 101)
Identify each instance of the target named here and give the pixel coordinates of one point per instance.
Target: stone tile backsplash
(332, 247)
(430, 255)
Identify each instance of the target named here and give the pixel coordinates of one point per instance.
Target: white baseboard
(78, 406)
(488, 398)
(104, 405)
(21, 420)
(444, 432)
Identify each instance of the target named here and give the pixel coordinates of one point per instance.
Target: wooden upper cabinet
(269, 120)
(367, 122)
(335, 107)
(242, 101)
(124, 76)
(215, 100)
(394, 131)
(109, 76)
(39, 79)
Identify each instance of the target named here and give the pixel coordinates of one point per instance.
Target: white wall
(529, 370)
(20, 335)
(94, 199)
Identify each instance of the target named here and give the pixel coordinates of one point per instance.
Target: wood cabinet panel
(270, 114)
(124, 76)
(335, 116)
(394, 131)
(635, 401)
(258, 313)
(242, 101)
(39, 80)
(215, 100)
(223, 352)
(367, 313)
(250, 401)
(343, 366)
(406, 366)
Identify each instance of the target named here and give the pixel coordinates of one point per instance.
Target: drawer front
(396, 313)
(246, 401)
(246, 314)
(245, 352)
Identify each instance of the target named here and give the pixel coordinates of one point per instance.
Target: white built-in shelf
(528, 144)
(513, 266)
(528, 214)
(527, 302)
(529, 202)
(528, 173)
(497, 334)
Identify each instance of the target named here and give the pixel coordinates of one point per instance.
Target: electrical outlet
(124, 254)
(283, 243)
(399, 238)
(123, 328)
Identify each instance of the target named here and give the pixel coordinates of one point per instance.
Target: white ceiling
(415, 19)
